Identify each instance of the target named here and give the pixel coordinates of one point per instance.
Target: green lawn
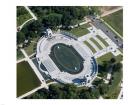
(26, 78)
(102, 40)
(24, 15)
(31, 48)
(49, 81)
(107, 57)
(19, 55)
(116, 21)
(96, 43)
(79, 31)
(87, 25)
(79, 21)
(91, 48)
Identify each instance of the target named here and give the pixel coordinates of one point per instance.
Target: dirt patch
(104, 9)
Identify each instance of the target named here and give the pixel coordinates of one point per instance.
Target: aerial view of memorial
(69, 52)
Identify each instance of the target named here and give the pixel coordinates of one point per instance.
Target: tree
(98, 82)
(35, 25)
(54, 16)
(69, 87)
(74, 22)
(52, 20)
(117, 67)
(66, 20)
(84, 94)
(21, 11)
(54, 92)
(103, 88)
(20, 37)
(70, 91)
(95, 10)
(94, 93)
(112, 60)
(32, 34)
(83, 11)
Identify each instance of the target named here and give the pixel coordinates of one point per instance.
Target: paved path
(32, 14)
(20, 27)
(106, 81)
(33, 67)
(36, 89)
(33, 17)
(32, 54)
(101, 97)
(30, 92)
(111, 11)
(40, 77)
(51, 83)
(21, 60)
(121, 93)
(93, 45)
(109, 72)
(100, 42)
(33, 41)
(95, 31)
(82, 23)
(85, 37)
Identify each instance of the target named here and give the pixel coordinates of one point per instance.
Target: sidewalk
(30, 92)
(31, 13)
(33, 67)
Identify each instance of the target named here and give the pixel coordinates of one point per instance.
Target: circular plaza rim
(49, 67)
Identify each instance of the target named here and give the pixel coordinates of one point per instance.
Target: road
(101, 25)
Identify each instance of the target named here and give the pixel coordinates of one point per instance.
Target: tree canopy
(51, 17)
(68, 91)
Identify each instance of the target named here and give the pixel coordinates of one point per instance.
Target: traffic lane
(100, 25)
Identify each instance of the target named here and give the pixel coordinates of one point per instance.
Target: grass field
(87, 25)
(80, 31)
(26, 78)
(91, 48)
(116, 21)
(24, 15)
(67, 58)
(96, 43)
(79, 21)
(31, 48)
(49, 81)
(107, 57)
(102, 40)
(19, 55)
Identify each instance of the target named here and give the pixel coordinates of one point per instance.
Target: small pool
(66, 58)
